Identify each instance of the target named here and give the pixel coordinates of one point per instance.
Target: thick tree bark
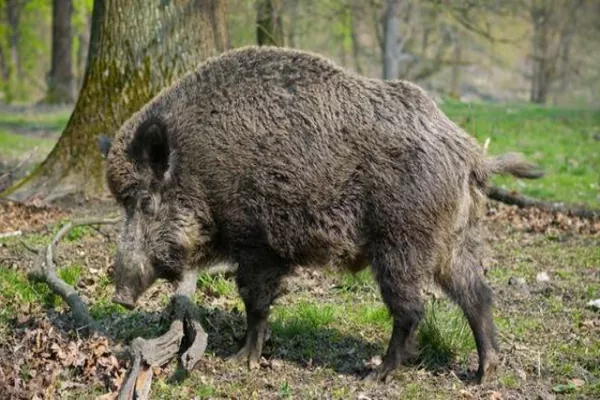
(61, 83)
(136, 49)
(269, 25)
(83, 38)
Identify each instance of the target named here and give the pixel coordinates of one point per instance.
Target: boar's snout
(133, 275)
(125, 299)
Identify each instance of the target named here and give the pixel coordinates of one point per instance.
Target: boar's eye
(147, 204)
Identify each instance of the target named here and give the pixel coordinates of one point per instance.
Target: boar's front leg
(258, 280)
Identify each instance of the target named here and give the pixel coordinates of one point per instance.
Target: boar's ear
(105, 143)
(150, 147)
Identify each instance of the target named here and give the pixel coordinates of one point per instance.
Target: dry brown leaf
(577, 382)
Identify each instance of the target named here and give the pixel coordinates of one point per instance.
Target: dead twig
(47, 273)
(29, 248)
(185, 337)
(10, 234)
(514, 199)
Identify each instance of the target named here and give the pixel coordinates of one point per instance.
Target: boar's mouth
(126, 300)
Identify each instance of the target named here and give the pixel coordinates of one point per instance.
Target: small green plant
(285, 391)
(444, 334)
(359, 282)
(103, 308)
(204, 391)
(70, 274)
(215, 284)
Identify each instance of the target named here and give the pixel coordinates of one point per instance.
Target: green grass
(19, 133)
(563, 141)
(13, 146)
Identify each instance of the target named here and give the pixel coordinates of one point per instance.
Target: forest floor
(329, 327)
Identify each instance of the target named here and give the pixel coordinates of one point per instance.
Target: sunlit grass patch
(563, 141)
(216, 285)
(302, 318)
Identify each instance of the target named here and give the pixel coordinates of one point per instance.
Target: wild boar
(274, 158)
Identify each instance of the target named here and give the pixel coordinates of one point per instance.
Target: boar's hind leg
(465, 285)
(258, 279)
(400, 288)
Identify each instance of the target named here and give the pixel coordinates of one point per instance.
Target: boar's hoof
(245, 355)
(128, 303)
(487, 368)
(379, 374)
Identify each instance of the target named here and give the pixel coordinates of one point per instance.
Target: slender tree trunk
(540, 77)
(61, 83)
(390, 40)
(136, 49)
(456, 65)
(269, 26)
(355, 8)
(5, 71)
(292, 6)
(13, 17)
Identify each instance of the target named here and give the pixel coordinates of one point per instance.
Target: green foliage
(70, 274)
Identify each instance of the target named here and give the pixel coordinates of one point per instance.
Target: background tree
(390, 40)
(554, 23)
(269, 25)
(136, 49)
(61, 82)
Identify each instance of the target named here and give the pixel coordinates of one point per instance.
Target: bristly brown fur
(273, 158)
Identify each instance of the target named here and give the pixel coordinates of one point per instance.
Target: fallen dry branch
(514, 199)
(46, 272)
(184, 337)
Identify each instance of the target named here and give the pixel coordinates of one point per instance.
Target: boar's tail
(513, 164)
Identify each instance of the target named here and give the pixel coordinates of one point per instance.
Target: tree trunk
(390, 40)
(541, 14)
(292, 7)
(355, 12)
(269, 26)
(136, 49)
(456, 65)
(83, 39)
(61, 83)
(13, 17)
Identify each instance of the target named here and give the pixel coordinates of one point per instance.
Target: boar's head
(159, 228)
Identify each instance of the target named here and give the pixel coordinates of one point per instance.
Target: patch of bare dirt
(28, 217)
(538, 221)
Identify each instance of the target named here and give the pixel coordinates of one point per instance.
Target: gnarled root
(185, 338)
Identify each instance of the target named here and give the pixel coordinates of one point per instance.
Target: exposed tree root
(46, 272)
(184, 337)
(506, 197)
